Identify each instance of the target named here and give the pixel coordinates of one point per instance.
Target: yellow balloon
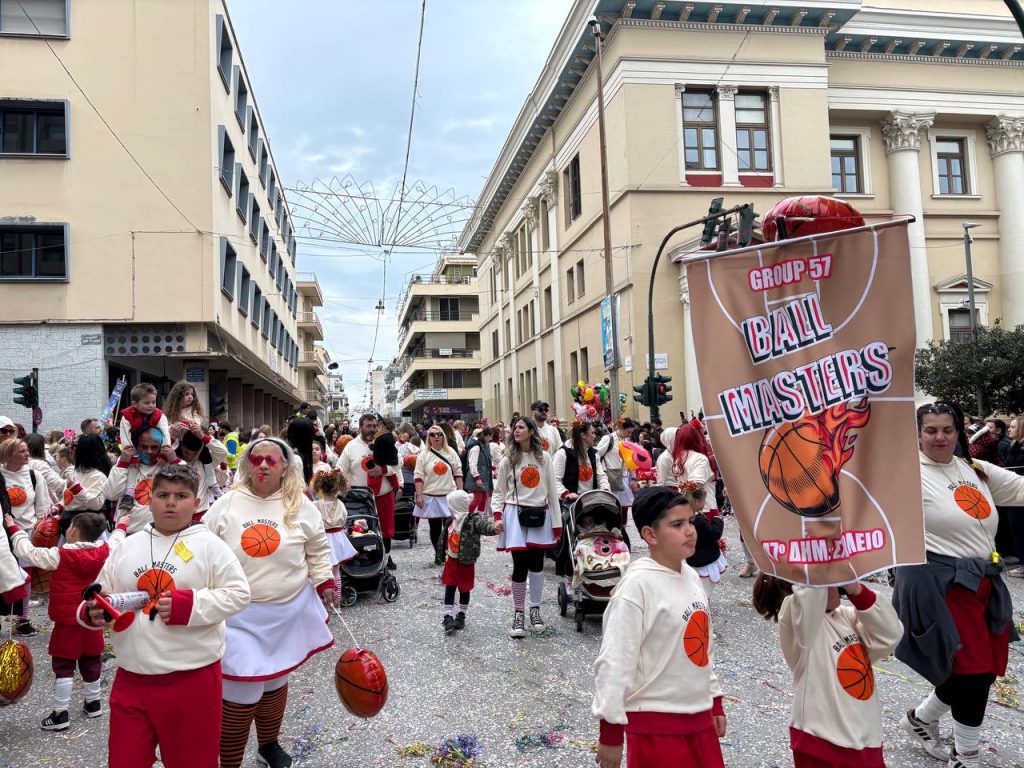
(581, 384)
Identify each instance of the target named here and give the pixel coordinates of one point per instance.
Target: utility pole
(609, 277)
(978, 394)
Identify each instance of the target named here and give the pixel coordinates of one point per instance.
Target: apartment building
(144, 230)
(337, 405)
(900, 106)
(439, 354)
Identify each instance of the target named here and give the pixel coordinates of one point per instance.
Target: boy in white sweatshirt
(167, 691)
(667, 703)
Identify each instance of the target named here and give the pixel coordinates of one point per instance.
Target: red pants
(179, 711)
(686, 750)
(481, 502)
(386, 514)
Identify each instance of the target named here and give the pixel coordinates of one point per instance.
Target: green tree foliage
(948, 369)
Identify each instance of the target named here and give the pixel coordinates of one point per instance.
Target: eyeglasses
(435, 434)
(542, 408)
(9, 430)
(936, 408)
(270, 461)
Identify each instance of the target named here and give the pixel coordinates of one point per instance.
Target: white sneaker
(536, 622)
(925, 734)
(518, 630)
(965, 760)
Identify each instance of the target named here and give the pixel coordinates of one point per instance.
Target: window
(570, 289)
(451, 379)
(574, 367)
(542, 222)
(551, 382)
(584, 364)
(700, 131)
(509, 341)
(272, 189)
(254, 135)
(257, 306)
(752, 132)
(33, 128)
(581, 281)
(241, 99)
(291, 247)
(531, 308)
(846, 174)
(242, 193)
(494, 284)
(280, 275)
(228, 266)
(33, 253)
(264, 163)
(548, 309)
(951, 157)
(265, 321)
(42, 18)
(279, 214)
(571, 190)
(272, 264)
(265, 241)
(225, 53)
(495, 349)
(227, 158)
(255, 222)
(244, 290)
(960, 324)
(449, 309)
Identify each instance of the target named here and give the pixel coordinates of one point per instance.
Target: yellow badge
(995, 556)
(182, 551)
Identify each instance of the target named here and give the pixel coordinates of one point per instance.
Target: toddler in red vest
(76, 565)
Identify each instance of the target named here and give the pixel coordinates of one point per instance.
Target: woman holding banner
(955, 608)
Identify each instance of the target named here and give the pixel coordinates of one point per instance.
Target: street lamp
(968, 226)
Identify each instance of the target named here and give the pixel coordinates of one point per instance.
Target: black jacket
(709, 532)
(385, 452)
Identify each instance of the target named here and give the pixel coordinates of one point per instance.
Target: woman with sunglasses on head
(278, 535)
(956, 608)
(438, 472)
(526, 500)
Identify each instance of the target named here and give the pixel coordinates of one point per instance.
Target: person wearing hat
(550, 437)
(462, 550)
(7, 429)
(202, 454)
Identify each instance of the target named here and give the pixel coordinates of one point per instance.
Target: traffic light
(218, 407)
(746, 227)
(643, 393)
(711, 225)
(26, 391)
(662, 389)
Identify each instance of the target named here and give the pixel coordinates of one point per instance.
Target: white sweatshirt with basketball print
(207, 587)
(531, 483)
(830, 654)
(134, 479)
(434, 475)
(657, 651)
(278, 559)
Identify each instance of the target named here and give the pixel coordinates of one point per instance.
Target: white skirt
(516, 537)
(268, 640)
(433, 506)
(625, 496)
(715, 570)
(341, 548)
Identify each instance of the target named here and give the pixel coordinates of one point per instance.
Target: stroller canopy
(600, 505)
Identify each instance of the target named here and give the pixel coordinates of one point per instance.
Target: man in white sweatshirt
(550, 437)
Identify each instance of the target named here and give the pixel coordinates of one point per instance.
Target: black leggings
(449, 596)
(436, 525)
(967, 697)
(526, 560)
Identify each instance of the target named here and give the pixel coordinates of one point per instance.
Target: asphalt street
(524, 703)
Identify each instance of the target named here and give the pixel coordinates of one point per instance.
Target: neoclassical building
(900, 106)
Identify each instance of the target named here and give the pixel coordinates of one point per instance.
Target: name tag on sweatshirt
(183, 551)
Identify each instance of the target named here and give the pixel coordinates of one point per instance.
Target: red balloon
(811, 215)
(361, 682)
(15, 671)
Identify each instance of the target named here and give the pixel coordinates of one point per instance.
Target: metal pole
(606, 225)
(1017, 12)
(978, 394)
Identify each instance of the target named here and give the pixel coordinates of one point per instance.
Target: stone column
(775, 119)
(1006, 141)
(549, 190)
(269, 413)
(234, 401)
(691, 383)
(727, 135)
(247, 411)
(498, 257)
(258, 416)
(902, 133)
(530, 211)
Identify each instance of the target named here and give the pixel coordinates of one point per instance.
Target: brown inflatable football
(361, 682)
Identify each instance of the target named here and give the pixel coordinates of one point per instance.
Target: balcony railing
(430, 280)
(424, 354)
(313, 396)
(307, 284)
(312, 319)
(441, 316)
(311, 358)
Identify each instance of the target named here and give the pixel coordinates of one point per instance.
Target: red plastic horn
(121, 620)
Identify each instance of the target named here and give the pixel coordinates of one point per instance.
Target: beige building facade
(899, 106)
(144, 229)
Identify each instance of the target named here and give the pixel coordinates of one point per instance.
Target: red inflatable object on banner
(811, 215)
(361, 681)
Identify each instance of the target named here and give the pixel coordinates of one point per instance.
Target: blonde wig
(293, 484)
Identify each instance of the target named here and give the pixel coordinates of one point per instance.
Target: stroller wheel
(563, 600)
(412, 539)
(348, 596)
(390, 589)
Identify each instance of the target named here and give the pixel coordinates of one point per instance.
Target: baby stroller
(598, 559)
(405, 523)
(367, 571)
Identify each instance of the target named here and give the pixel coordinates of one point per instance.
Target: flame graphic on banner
(800, 461)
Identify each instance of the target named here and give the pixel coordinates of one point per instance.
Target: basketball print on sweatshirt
(530, 477)
(972, 501)
(697, 634)
(853, 669)
(586, 473)
(144, 491)
(260, 538)
(17, 495)
(154, 582)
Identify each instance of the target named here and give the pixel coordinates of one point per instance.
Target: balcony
(309, 323)
(422, 321)
(414, 397)
(307, 285)
(441, 286)
(311, 361)
(437, 360)
(313, 397)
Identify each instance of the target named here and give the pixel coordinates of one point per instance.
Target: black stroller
(405, 522)
(367, 571)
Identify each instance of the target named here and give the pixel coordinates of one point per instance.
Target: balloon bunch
(590, 401)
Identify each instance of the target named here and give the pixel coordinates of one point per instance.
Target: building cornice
(703, 26)
(907, 58)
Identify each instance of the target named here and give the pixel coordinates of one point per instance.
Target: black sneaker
(449, 624)
(93, 708)
(273, 755)
(391, 564)
(460, 620)
(57, 721)
(24, 628)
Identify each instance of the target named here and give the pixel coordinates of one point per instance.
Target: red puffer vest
(78, 568)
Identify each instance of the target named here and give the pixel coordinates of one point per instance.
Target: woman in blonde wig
(278, 536)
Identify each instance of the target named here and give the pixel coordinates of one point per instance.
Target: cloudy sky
(334, 81)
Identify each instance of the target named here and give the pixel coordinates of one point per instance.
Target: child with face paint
(130, 482)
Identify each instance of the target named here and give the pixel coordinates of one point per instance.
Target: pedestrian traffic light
(643, 393)
(218, 407)
(711, 225)
(26, 391)
(662, 389)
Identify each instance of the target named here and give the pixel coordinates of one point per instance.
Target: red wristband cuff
(612, 735)
(324, 586)
(717, 710)
(863, 599)
(181, 606)
(76, 489)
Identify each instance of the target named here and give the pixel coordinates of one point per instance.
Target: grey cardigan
(930, 638)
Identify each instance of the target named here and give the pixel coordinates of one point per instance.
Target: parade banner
(115, 398)
(805, 353)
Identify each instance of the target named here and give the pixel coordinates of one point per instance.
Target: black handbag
(529, 517)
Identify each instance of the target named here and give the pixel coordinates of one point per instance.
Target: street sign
(431, 394)
(37, 416)
(607, 334)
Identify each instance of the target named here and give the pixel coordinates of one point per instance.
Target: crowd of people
(234, 539)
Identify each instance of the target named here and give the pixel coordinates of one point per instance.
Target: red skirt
(456, 574)
(983, 652)
(675, 750)
(386, 514)
(71, 641)
(811, 751)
